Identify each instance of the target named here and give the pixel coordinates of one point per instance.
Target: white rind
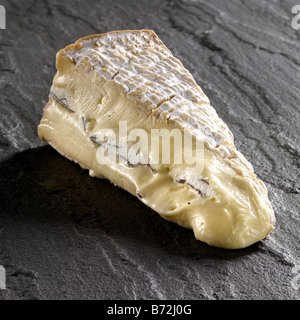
(149, 74)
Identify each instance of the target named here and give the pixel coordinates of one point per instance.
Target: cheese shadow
(40, 185)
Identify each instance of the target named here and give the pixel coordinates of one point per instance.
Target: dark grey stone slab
(65, 235)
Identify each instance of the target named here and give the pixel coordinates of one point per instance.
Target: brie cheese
(130, 77)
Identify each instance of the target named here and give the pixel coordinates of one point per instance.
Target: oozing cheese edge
(231, 215)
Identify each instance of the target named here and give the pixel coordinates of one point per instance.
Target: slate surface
(65, 235)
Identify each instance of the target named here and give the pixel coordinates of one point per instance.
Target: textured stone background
(65, 235)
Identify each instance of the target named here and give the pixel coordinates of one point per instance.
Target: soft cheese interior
(132, 77)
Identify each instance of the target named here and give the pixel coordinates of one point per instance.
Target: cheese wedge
(109, 88)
